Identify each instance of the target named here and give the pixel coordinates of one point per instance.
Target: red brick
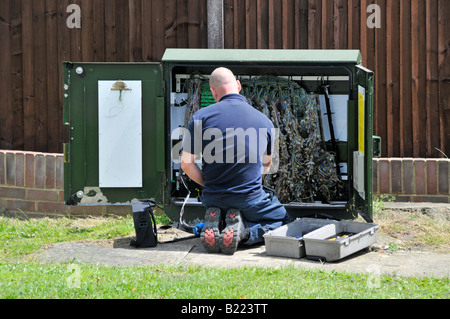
(20, 169)
(432, 176)
(39, 175)
(51, 207)
(87, 210)
(419, 179)
(50, 171)
(118, 210)
(27, 206)
(2, 169)
(396, 176)
(383, 176)
(403, 198)
(61, 196)
(443, 176)
(10, 169)
(408, 176)
(59, 183)
(12, 192)
(29, 170)
(375, 176)
(431, 199)
(42, 194)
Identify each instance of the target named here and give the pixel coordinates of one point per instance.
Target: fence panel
(408, 50)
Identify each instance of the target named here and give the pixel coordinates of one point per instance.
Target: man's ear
(239, 86)
(214, 94)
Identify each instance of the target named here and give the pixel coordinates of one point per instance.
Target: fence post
(215, 24)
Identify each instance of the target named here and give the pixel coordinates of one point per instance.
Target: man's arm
(190, 168)
(267, 162)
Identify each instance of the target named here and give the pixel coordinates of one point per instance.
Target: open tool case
(321, 239)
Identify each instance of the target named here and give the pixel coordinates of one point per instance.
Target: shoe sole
(210, 232)
(229, 237)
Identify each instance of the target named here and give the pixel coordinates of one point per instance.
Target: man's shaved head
(222, 82)
(221, 76)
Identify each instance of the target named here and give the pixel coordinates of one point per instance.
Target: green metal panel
(81, 169)
(364, 206)
(225, 56)
(352, 146)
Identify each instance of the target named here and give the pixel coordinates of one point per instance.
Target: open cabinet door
(115, 119)
(363, 155)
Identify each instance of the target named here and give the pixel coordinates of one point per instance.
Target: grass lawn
(22, 277)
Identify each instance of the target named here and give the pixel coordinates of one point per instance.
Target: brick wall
(33, 183)
(413, 179)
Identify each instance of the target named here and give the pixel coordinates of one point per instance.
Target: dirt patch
(414, 228)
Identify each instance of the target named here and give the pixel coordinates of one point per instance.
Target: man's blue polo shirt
(233, 137)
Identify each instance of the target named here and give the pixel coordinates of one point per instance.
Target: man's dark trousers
(260, 215)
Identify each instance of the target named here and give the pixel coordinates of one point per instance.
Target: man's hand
(267, 162)
(190, 168)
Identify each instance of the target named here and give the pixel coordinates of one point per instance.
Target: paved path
(191, 252)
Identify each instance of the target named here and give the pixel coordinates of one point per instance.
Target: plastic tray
(323, 244)
(287, 240)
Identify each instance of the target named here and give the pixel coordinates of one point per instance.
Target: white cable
(184, 203)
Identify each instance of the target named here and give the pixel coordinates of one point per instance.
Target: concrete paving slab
(191, 252)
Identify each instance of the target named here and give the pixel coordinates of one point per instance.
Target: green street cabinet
(124, 122)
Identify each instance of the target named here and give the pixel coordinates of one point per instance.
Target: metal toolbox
(326, 244)
(287, 240)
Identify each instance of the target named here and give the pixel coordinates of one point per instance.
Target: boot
(233, 233)
(211, 230)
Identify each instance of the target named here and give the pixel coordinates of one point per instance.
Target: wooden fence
(409, 53)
